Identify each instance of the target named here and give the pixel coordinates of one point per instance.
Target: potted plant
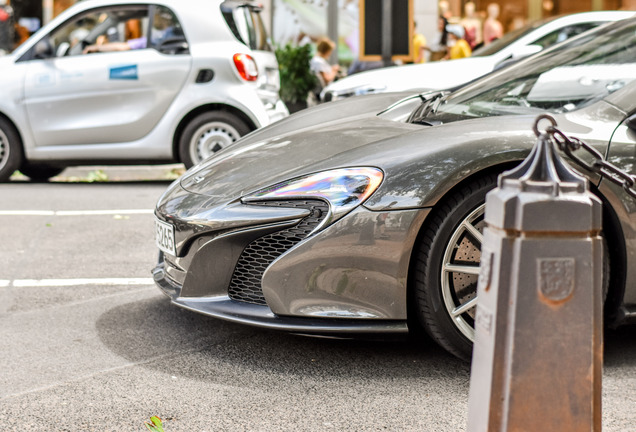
(296, 78)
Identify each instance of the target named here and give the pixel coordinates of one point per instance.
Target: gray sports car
(355, 218)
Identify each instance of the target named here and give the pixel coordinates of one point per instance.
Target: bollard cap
(544, 170)
(543, 193)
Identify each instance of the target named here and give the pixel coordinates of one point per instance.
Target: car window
(166, 34)
(246, 24)
(98, 27)
(564, 33)
(564, 78)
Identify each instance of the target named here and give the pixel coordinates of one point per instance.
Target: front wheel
(447, 267)
(10, 150)
(446, 270)
(208, 133)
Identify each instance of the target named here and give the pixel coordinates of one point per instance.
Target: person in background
(439, 48)
(492, 27)
(419, 46)
(458, 47)
(319, 64)
(7, 27)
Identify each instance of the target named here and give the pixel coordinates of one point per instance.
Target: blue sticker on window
(128, 72)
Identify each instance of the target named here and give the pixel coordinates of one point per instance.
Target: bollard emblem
(556, 278)
(485, 270)
(484, 319)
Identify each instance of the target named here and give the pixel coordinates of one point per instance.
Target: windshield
(562, 79)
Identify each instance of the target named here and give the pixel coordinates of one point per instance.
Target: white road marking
(73, 212)
(75, 282)
(26, 213)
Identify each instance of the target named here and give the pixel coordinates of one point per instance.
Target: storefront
(515, 12)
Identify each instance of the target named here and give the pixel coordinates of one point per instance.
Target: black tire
(437, 291)
(208, 133)
(436, 246)
(40, 172)
(10, 150)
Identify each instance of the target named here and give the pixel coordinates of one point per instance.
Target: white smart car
(134, 81)
(440, 75)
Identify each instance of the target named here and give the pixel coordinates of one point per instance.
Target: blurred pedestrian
(7, 27)
(439, 48)
(419, 46)
(319, 64)
(458, 47)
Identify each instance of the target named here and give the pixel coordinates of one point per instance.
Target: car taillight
(246, 67)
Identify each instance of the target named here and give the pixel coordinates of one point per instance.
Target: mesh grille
(245, 285)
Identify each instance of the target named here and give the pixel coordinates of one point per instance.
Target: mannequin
(472, 25)
(444, 9)
(492, 27)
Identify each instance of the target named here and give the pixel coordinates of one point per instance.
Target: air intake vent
(245, 285)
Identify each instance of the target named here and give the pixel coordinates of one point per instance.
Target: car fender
(426, 166)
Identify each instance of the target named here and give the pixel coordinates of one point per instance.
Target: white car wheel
(207, 134)
(10, 150)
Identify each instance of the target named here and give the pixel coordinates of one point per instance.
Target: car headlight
(343, 188)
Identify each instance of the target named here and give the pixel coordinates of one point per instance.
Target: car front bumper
(348, 277)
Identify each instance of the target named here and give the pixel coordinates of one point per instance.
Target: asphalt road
(89, 344)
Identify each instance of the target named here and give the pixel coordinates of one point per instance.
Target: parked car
(123, 81)
(513, 46)
(352, 217)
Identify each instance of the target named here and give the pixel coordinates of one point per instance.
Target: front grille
(245, 285)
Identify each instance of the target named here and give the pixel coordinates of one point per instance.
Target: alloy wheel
(460, 271)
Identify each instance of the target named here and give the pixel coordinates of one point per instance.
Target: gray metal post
(332, 28)
(537, 357)
(387, 39)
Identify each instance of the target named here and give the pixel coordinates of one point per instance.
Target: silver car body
(253, 240)
(71, 109)
(448, 74)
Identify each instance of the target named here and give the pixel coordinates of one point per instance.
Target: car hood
(435, 76)
(419, 162)
(295, 146)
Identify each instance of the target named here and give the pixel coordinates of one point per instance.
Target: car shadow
(155, 329)
(155, 333)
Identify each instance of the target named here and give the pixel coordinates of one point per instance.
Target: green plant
(296, 77)
(155, 424)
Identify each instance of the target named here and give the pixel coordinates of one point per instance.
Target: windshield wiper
(430, 103)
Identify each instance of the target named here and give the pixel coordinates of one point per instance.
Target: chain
(599, 165)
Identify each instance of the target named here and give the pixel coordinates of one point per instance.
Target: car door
(105, 76)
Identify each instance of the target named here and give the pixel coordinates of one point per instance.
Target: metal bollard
(537, 359)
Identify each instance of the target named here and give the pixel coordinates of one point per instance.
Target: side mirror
(43, 49)
(525, 51)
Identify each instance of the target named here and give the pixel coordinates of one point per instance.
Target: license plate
(164, 237)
